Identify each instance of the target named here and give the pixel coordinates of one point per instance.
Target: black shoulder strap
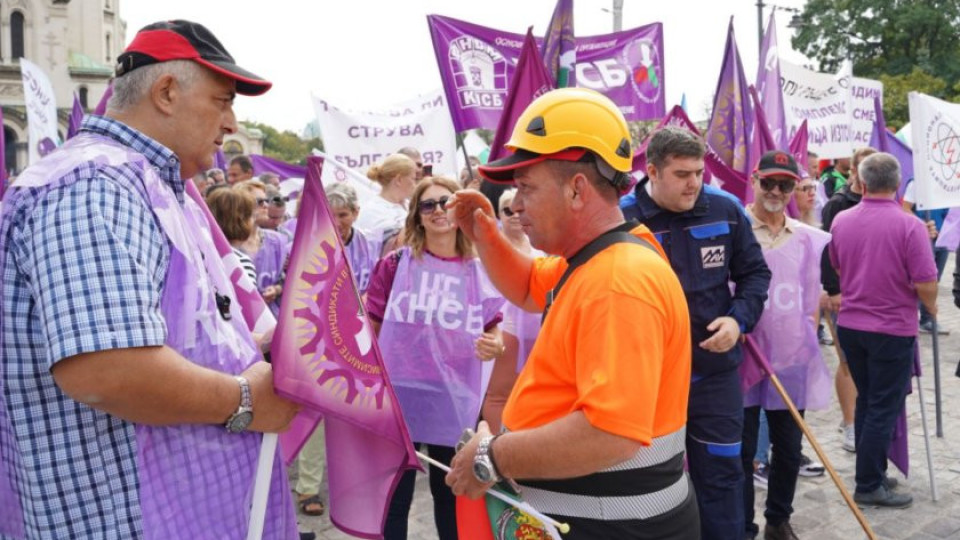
(617, 235)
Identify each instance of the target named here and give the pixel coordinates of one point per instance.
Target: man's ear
(578, 186)
(164, 93)
(652, 171)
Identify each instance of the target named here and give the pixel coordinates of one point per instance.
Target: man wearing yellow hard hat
(594, 428)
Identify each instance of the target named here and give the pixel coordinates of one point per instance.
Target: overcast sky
(368, 54)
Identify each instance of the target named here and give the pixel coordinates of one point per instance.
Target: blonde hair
(414, 234)
(248, 186)
(393, 166)
(506, 197)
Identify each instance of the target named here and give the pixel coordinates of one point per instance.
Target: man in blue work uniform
(709, 243)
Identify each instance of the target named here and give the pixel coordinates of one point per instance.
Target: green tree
(896, 88)
(285, 145)
(900, 42)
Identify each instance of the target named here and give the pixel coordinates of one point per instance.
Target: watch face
(482, 472)
(239, 422)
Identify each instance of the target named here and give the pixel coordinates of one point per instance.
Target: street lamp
(795, 21)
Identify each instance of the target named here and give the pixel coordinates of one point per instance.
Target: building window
(16, 34)
(83, 98)
(109, 50)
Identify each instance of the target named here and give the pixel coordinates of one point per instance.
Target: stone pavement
(820, 512)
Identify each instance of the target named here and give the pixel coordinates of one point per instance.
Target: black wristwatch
(240, 420)
(484, 469)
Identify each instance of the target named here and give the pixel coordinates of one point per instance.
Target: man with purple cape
(786, 335)
(131, 389)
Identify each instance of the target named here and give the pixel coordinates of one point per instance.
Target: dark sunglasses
(429, 206)
(278, 200)
(507, 211)
(786, 186)
(262, 202)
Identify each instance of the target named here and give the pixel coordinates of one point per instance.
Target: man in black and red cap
(131, 389)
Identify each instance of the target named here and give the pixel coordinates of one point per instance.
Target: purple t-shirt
(880, 252)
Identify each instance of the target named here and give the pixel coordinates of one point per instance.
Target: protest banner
(360, 139)
(41, 104)
(477, 63)
(838, 108)
(936, 151)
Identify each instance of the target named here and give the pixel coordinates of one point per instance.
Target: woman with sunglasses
(437, 316)
(806, 198)
(520, 328)
(268, 249)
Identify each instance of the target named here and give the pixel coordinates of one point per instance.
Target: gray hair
(880, 173)
(133, 86)
(672, 141)
(342, 195)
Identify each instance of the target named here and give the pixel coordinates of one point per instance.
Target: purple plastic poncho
(436, 310)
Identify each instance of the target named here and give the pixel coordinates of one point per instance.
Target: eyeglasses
(429, 206)
(262, 202)
(786, 186)
(507, 211)
(807, 189)
(278, 200)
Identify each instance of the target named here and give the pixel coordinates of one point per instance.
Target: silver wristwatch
(240, 420)
(483, 468)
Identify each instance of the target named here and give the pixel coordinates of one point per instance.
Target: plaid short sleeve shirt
(84, 270)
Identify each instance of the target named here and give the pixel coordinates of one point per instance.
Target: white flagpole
(261, 486)
(549, 522)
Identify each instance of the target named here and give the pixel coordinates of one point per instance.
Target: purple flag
(732, 119)
(676, 117)
(284, 170)
(530, 80)
(476, 65)
(884, 141)
(76, 117)
(325, 357)
(755, 366)
(763, 142)
(768, 85)
(102, 106)
(559, 46)
(220, 160)
(799, 146)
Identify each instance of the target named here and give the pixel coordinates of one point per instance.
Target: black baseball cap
(776, 162)
(185, 40)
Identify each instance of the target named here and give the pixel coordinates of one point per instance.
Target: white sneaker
(849, 438)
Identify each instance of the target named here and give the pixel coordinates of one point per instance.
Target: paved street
(820, 512)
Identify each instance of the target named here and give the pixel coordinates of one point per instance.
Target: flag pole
(823, 457)
(563, 527)
(261, 486)
(938, 408)
(926, 439)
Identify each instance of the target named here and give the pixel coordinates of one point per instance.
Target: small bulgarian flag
(490, 518)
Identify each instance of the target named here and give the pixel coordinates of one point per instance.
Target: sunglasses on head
(507, 211)
(429, 206)
(786, 186)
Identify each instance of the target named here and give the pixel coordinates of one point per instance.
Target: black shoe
(883, 498)
(782, 531)
(309, 535)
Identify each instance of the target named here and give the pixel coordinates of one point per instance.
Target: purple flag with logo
(559, 46)
(102, 106)
(76, 117)
(476, 65)
(768, 85)
(284, 170)
(326, 358)
(731, 122)
(530, 81)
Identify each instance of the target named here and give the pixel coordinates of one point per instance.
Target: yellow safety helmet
(563, 124)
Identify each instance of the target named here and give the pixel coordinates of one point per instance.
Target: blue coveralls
(709, 247)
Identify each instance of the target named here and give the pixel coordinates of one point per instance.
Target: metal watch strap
(483, 455)
(246, 400)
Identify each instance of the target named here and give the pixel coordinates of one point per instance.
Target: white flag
(935, 126)
(41, 111)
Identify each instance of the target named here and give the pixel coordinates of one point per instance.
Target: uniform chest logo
(712, 256)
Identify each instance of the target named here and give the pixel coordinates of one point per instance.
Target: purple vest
(271, 263)
(785, 333)
(363, 253)
(195, 481)
(436, 310)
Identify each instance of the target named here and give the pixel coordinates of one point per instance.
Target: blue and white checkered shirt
(84, 271)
